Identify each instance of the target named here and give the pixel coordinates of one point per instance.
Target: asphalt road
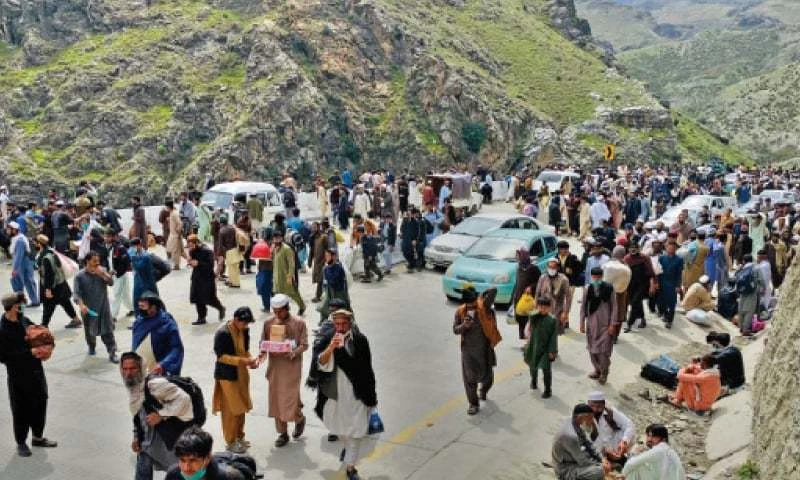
(421, 399)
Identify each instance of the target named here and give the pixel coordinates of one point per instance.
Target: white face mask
(552, 272)
(587, 430)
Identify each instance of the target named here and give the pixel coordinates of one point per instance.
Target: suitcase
(663, 371)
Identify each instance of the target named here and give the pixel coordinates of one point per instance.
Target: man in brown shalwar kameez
(476, 323)
(285, 370)
(598, 315)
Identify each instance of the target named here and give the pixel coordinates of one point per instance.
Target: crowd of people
(706, 264)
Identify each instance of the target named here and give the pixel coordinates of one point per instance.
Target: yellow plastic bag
(525, 305)
(339, 236)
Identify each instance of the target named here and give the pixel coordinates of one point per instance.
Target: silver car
(444, 249)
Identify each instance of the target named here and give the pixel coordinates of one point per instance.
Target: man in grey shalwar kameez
(574, 456)
(475, 322)
(91, 293)
(598, 315)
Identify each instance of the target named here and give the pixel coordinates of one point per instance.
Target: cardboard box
(277, 333)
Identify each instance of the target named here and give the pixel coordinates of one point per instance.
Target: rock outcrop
(776, 391)
(148, 96)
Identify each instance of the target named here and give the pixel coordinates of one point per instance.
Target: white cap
(596, 396)
(279, 301)
(13, 225)
(59, 203)
(704, 279)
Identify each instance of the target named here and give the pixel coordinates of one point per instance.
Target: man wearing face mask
(598, 256)
(155, 430)
(27, 385)
(574, 455)
(196, 462)
(659, 463)
(475, 322)
(555, 286)
(156, 337)
(598, 314)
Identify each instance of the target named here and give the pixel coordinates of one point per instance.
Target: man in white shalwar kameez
(599, 212)
(346, 389)
(659, 463)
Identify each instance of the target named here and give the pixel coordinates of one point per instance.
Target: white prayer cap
(279, 301)
(13, 225)
(596, 396)
(704, 279)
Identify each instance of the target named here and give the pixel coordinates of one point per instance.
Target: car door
(551, 246)
(537, 250)
(527, 224)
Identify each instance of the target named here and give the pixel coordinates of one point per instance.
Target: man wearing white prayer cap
(280, 300)
(615, 431)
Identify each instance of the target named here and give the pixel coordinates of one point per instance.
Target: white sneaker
(236, 447)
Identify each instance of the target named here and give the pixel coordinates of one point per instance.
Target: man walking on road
(670, 281)
(641, 284)
(139, 227)
(231, 378)
(154, 432)
(120, 267)
(22, 264)
(598, 314)
(285, 370)
(203, 288)
(475, 322)
(91, 292)
(53, 286)
(27, 385)
(542, 347)
(163, 352)
(412, 233)
(284, 270)
(555, 286)
(229, 248)
(174, 245)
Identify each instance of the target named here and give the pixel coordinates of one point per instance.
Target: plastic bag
(375, 422)
(68, 265)
(525, 304)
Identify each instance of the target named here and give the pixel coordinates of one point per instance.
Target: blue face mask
(131, 251)
(198, 475)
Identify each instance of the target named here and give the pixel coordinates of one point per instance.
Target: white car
(670, 216)
(444, 249)
(221, 196)
(716, 204)
(779, 196)
(553, 179)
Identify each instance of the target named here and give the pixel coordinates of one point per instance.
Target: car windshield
(551, 177)
(694, 202)
(216, 200)
(476, 226)
(496, 248)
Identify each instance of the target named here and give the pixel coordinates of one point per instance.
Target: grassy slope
(623, 26)
(692, 73)
(539, 68)
(763, 113)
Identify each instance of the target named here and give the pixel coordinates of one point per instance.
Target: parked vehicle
(461, 195)
(553, 179)
(444, 249)
(492, 262)
(221, 196)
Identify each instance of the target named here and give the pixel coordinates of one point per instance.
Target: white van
(553, 179)
(221, 196)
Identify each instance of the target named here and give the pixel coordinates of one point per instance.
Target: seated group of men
(598, 439)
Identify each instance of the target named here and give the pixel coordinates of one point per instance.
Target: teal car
(492, 262)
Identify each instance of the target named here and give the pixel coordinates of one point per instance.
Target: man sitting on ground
(659, 463)
(615, 431)
(729, 360)
(698, 302)
(574, 455)
(699, 386)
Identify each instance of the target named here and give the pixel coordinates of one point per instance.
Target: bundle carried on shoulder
(41, 340)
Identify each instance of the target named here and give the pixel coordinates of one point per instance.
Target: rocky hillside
(148, 95)
(705, 57)
(776, 392)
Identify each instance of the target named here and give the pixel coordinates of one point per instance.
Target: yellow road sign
(609, 152)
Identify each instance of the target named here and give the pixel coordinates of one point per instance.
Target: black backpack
(160, 267)
(428, 226)
(189, 386)
(288, 199)
(244, 464)
(746, 281)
